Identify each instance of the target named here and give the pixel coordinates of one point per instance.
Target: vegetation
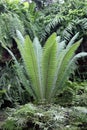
(47, 117)
(43, 65)
(48, 69)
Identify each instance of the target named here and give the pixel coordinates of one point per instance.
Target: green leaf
(50, 41)
(21, 75)
(49, 64)
(38, 53)
(73, 39)
(31, 65)
(66, 56)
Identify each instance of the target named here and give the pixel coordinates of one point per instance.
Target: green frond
(77, 25)
(51, 25)
(79, 55)
(71, 67)
(58, 38)
(66, 56)
(60, 47)
(21, 75)
(49, 64)
(20, 37)
(68, 32)
(73, 39)
(31, 66)
(38, 53)
(50, 41)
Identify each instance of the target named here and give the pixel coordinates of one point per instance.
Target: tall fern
(47, 67)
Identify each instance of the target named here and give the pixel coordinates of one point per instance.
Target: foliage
(80, 94)
(2, 92)
(35, 117)
(53, 18)
(79, 120)
(48, 68)
(46, 117)
(47, 82)
(9, 23)
(56, 22)
(71, 29)
(16, 16)
(73, 95)
(9, 93)
(57, 17)
(65, 19)
(28, 16)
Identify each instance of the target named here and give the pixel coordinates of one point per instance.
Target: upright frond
(21, 75)
(30, 61)
(73, 39)
(38, 53)
(49, 64)
(63, 63)
(71, 67)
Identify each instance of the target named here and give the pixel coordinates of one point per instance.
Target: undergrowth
(46, 117)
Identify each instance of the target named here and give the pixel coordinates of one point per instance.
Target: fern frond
(49, 64)
(79, 55)
(31, 65)
(71, 67)
(20, 37)
(68, 32)
(21, 75)
(55, 22)
(66, 56)
(38, 53)
(61, 46)
(73, 39)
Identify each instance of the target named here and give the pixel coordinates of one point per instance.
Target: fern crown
(49, 67)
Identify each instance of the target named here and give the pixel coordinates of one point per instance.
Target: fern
(47, 68)
(55, 22)
(79, 25)
(9, 23)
